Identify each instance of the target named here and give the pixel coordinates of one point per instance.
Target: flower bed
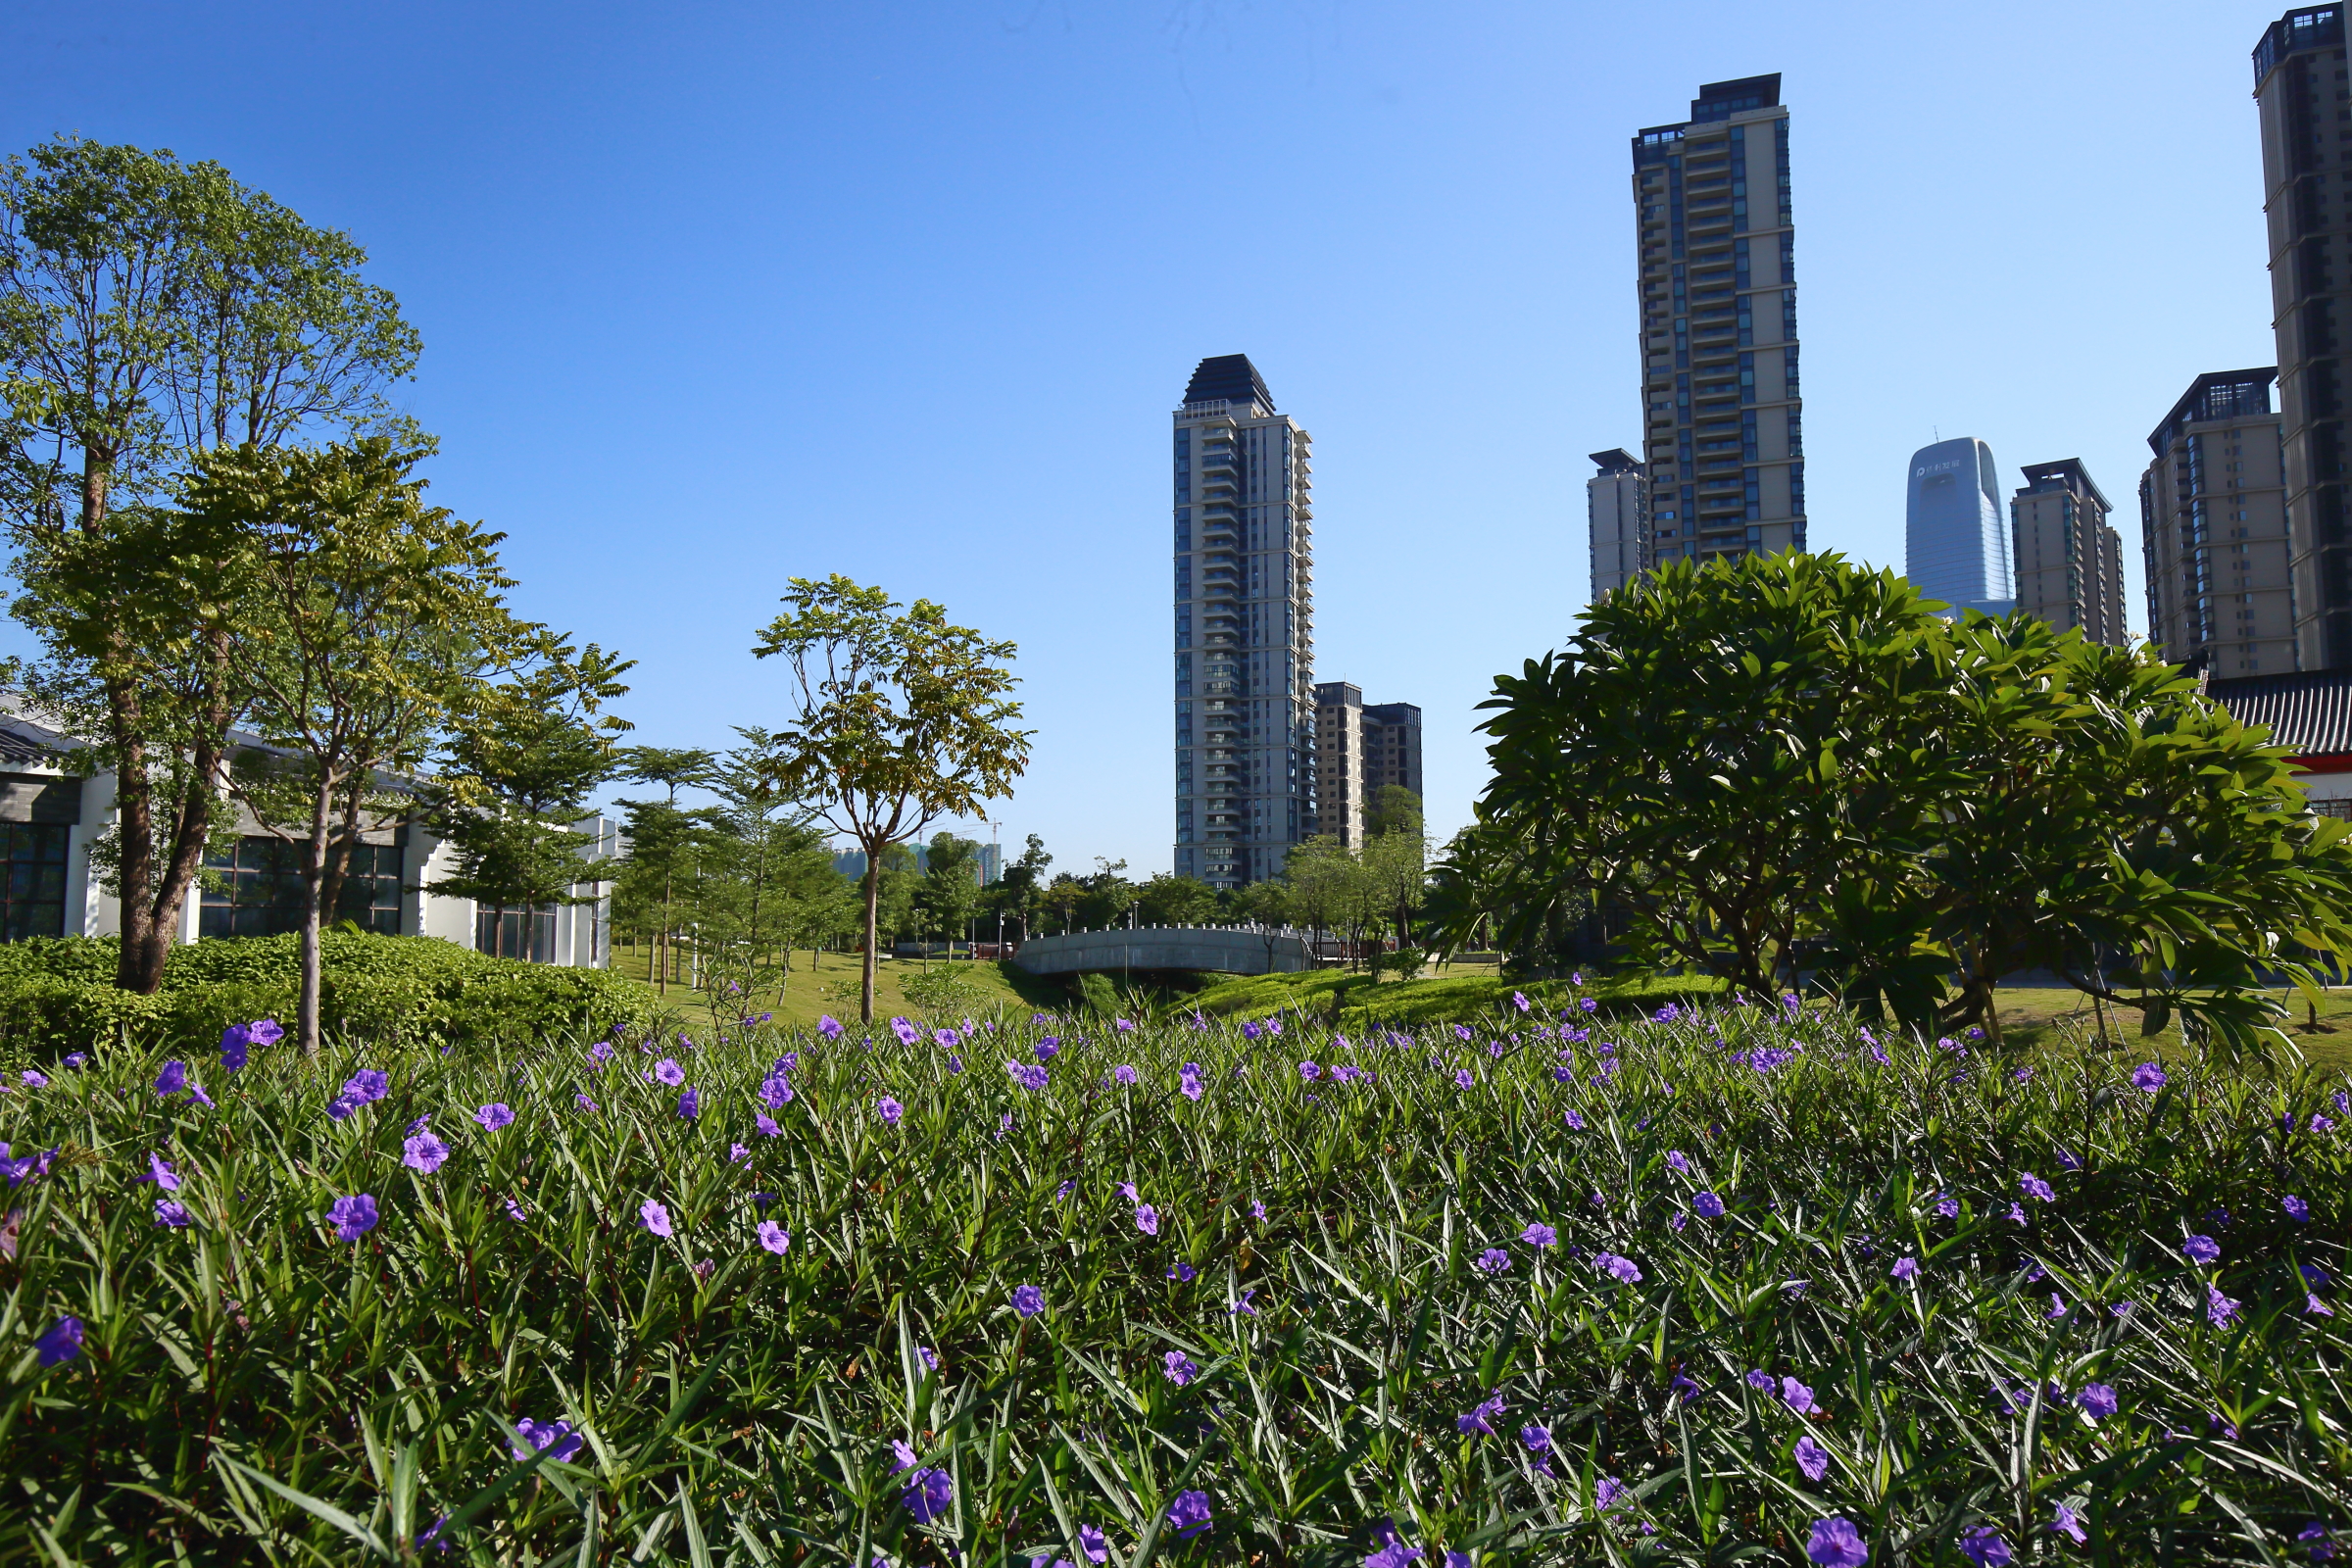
(1546, 1291)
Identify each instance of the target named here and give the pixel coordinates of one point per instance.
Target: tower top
(1228, 379)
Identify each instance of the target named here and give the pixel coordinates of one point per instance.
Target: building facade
(2216, 532)
(2300, 85)
(1716, 241)
(1617, 518)
(1244, 628)
(1955, 541)
(1360, 750)
(50, 814)
(2069, 560)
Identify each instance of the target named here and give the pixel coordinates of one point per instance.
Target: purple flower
(514, 1209)
(829, 1026)
(928, 1495)
(1540, 1235)
(1181, 1368)
(1905, 1268)
(159, 1171)
(908, 1033)
(2097, 1400)
(2034, 1186)
(555, 1439)
(366, 1087)
(1183, 1273)
(171, 1080)
(1623, 1269)
(1123, 1073)
(1479, 1419)
(668, 1071)
(1683, 1386)
(2313, 1306)
(2296, 1210)
(2067, 1160)
(352, 1217)
(945, 1039)
(1835, 1543)
(1982, 1545)
(424, 1152)
(1258, 1208)
(1188, 1513)
(2147, 1077)
(1309, 1071)
(1572, 1119)
(234, 1044)
(1028, 1300)
(1676, 1159)
(171, 1214)
(1796, 1395)
(2201, 1249)
(1028, 1077)
(1812, 1458)
(775, 1237)
(495, 1116)
(1494, 1261)
(2016, 1214)
(1519, 1001)
(890, 1109)
(600, 1054)
(63, 1341)
(1147, 1219)
(1537, 1438)
(654, 1218)
(1948, 1205)
(1462, 1078)
(1093, 1546)
(1390, 1550)
(1243, 1306)
(584, 1103)
(1708, 1205)
(2316, 1534)
(1610, 1494)
(2219, 1309)
(2069, 1522)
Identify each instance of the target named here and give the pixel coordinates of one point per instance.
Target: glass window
(261, 896)
(525, 934)
(36, 889)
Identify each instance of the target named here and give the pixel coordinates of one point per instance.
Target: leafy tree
(150, 312)
(1110, 896)
(1064, 898)
(950, 890)
(377, 623)
(1168, 900)
(900, 718)
(1019, 894)
(657, 837)
(522, 761)
(1794, 751)
(1395, 857)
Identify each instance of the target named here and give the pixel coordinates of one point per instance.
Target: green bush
(59, 994)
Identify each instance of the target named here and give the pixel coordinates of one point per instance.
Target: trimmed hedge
(59, 994)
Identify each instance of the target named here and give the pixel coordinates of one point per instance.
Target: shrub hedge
(59, 994)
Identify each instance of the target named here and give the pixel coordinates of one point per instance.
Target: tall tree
(517, 768)
(377, 620)
(674, 768)
(950, 890)
(152, 310)
(900, 718)
(1395, 856)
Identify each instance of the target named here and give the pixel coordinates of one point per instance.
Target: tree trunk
(135, 964)
(873, 898)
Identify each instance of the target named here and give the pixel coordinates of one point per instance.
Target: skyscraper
(1717, 242)
(1617, 517)
(2299, 85)
(2215, 532)
(1955, 541)
(1245, 611)
(1360, 750)
(2070, 563)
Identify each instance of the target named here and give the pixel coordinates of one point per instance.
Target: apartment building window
(36, 889)
(260, 889)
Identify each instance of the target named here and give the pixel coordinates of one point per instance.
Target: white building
(1617, 508)
(50, 814)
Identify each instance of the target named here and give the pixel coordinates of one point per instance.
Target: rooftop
(2215, 395)
(1617, 461)
(1720, 100)
(2067, 473)
(1228, 379)
(2308, 711)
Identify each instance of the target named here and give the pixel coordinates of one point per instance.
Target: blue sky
(715, 296)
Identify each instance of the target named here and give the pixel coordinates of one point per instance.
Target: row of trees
(1792, 765)
(220, 527)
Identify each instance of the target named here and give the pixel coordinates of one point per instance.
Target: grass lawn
(832, 988)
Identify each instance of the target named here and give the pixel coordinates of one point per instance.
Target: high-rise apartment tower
(1617, 510)
(2070, 562)
(2215, 531)
(1245, 629)
(2300, 84)
(1717, 245)
(1360, 750)
(1955, 542)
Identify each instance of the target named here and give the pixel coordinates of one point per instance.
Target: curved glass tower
(1955, 541)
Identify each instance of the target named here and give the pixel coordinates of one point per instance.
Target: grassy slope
(807, 996)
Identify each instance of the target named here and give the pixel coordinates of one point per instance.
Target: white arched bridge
(1226, 948)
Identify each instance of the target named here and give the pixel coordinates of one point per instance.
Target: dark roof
(2309, 710)
(1228, 378)
(2067, 473)
(27, 744)
(1617, 461)
(1720, 100)
(2215, 395)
